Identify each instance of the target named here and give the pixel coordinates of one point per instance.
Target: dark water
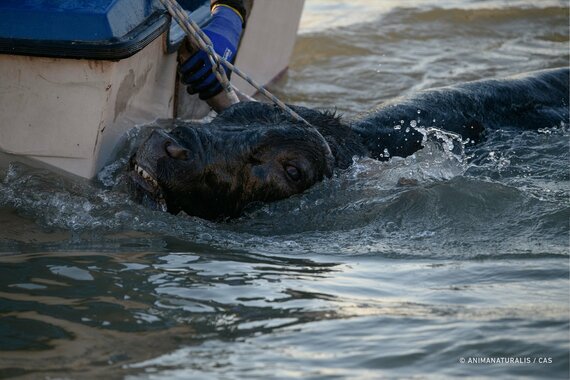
(358, 278)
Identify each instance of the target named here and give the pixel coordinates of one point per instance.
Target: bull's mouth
(146, 188)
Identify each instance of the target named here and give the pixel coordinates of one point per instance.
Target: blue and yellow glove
(224, 30)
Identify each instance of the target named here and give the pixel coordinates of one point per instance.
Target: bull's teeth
(143, 173)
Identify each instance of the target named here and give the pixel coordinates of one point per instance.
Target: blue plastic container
(93, 29)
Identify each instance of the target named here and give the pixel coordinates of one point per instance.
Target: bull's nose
(174, 150)
(165, 145)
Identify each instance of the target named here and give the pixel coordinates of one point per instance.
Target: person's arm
(224, 30)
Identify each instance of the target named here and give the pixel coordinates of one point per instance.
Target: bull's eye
(293, 173)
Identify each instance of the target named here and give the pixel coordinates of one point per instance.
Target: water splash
(55, 201)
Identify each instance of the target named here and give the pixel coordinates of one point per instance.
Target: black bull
(253, 152)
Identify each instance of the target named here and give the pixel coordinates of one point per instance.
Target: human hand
(224, 30)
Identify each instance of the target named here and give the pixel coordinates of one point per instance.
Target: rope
(201, 39)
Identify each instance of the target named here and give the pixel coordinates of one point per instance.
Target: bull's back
(530, 101)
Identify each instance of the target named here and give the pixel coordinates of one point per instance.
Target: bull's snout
(163, 145)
